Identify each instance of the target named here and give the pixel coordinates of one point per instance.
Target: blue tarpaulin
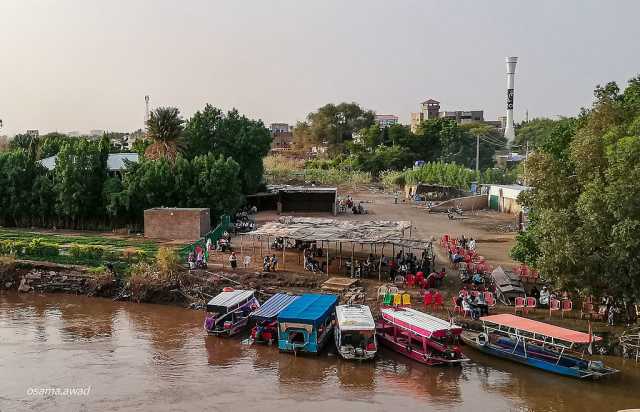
(272, 307)
(309, 308)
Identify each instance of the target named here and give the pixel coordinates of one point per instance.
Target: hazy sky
(83, 64)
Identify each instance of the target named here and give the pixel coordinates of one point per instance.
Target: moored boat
(537, 344)
(228, 312)
(355, 332)
(420, 336)
(266, 317)
(306, 324)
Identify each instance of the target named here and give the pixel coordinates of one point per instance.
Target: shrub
(168, 263)
(12, 247)
(87, 252)
(37, 247)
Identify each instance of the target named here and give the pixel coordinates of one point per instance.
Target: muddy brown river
(136, 357)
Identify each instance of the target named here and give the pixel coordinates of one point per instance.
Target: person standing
(246, 261)
(233, 260)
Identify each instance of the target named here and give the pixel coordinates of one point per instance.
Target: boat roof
(539, 328)
(354, 317)
(272, 307)
(228, 299)
(420, 323)
(309, 308)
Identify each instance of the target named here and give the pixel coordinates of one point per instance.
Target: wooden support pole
(353, 254)
(241, 244)
(328, 243)
(340, 258)
(284, 249)
(380, 264)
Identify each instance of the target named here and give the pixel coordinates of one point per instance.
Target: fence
(214, 236)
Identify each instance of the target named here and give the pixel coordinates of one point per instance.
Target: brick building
(176, 223)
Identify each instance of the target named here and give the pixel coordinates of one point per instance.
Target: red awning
(539, 328)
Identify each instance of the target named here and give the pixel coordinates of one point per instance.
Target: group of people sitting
(310, 262)
(197, 259)
(475, 306)
(348, 203)
(270, 263)
(405, 263)
(476, 278)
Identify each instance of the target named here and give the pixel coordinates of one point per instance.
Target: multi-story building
(430, 109)
(386, 120)
(281, 136)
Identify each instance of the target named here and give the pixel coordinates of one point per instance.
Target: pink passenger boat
(420, 336)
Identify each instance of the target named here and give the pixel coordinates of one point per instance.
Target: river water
(136, 357)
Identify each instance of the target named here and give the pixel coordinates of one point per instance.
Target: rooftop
(316, 229)
(115, 161)
(301, 189)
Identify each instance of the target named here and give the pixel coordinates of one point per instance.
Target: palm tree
(164, 129)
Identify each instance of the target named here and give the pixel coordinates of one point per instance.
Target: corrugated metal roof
(309, 308)
(419, 322)
(272, 307)
(227, 299)
(354, 317)
(115, 161)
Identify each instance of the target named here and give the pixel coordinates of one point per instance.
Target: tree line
(210, 160)
(354, 140)
(584, 230)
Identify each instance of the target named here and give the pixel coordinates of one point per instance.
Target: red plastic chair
(520, 305)
(419, 278)
(567, 306)
(438, 302)
(428, 299)
(411, 280)
(456, 308)
(554, 305)
(490, 299)
(531, 304)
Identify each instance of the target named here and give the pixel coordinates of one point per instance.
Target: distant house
(115, 162)
(504, 198)
(386, 120)
(281, 136)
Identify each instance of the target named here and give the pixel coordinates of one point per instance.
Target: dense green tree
(334, 125)
(230, 135)
(584, 231)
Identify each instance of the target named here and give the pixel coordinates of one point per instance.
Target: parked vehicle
(228, 312)
(355, 332)
(420, 336)
(537, 344)
(306, 324)
(265, 329)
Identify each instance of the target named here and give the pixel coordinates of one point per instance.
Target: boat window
(296, 337)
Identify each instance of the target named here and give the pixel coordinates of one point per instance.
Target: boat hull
(579, 370)
(429, 359)
(234, 330)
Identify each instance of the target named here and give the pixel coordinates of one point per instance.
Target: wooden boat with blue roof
(265, 329)
(537, 344)
(228, 312)
(306, 324)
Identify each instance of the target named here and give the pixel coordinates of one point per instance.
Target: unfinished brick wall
(176, 223)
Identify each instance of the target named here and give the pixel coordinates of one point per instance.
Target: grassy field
(119, 251)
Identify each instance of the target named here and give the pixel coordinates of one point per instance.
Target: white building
(386, 120)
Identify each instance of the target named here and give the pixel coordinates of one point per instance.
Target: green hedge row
(35, 247)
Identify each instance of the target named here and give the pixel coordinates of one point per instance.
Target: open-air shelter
(376, 235)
